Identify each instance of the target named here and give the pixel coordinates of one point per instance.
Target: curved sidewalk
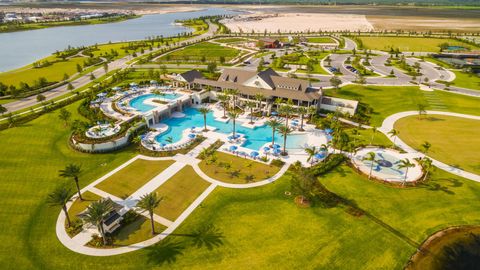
(389, 122)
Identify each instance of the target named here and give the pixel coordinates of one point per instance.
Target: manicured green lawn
(230, 40)
(445, 200)
(454, 140)
(466, 80)
(261, 224)
(194, 53)
(129, 179)
(409, 44)
(387, 100)
(52, 73)
(179, 192)
(365, 136)
(6, 100)
(31, 156)
(320, 40)
(135, 232)
(243, 168)
(79, 206)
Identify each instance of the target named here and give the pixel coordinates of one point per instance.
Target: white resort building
(268, 83)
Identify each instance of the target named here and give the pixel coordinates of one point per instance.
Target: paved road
(85, 79)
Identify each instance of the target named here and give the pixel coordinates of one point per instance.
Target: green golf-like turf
(455, 141)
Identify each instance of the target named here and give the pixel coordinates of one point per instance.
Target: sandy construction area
(298, 22)
(419, 23)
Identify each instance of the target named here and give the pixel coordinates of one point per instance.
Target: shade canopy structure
(328, 130)
(266, 149)
(274, 113)
(254, 154)
(233, 147)
(276, 146)
(319, 156)
(329, 137)
(277, 151)
(191, 136)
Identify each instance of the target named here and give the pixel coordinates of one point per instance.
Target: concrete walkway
(389, 122)
(78, 242)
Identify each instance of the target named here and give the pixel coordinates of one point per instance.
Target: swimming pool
(139, 104)
(256, 137)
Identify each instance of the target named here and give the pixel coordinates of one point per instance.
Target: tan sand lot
(424, 23)
(298, 22)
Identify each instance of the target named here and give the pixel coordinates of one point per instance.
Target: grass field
(52, 73)
(261, 227)
(135, 232)
(409, 44)
(454, 140)
(230, 40)
(365, 136)
(179, 192)
(79, 206)
(466, 80)
(387, 100)
(239, 169)
(194, 53)
(129, 179)
(320, 40)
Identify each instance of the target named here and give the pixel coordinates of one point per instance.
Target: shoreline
(44, 25)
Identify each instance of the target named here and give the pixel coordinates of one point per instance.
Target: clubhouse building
(268, 83)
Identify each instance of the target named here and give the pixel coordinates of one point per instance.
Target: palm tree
(233, 114)
(426, 146)
(224, 101)
(259, 98)
(311, 151)
(312, 110)
(286, 110)
(64, 115)
(72, 171)
(370, 157)
(251, 105)
(274, 124)
(427, 166)
(374, 130)
(302, 111)
(95, 215)
(394, 133)
(233, 93)
(405, 163)
(285, 130)
(421, 109)
(204, 111)
(355, 133)
(149, 202)
(60, 197)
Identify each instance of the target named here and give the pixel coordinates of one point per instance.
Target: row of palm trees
(97, 211)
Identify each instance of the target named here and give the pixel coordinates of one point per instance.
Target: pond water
(18, 49)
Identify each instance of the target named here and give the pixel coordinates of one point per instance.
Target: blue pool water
(455, 48)
(138, 102)
(256, 138)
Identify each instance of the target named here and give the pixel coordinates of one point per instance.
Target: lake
(18, 49)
